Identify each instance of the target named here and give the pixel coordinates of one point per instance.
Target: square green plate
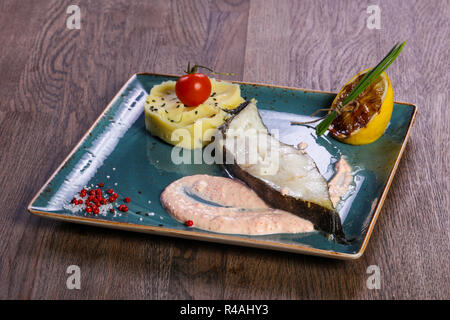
(118, 151)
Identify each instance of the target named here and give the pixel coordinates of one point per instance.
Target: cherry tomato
(193, 89)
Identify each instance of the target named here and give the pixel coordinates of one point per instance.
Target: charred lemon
(365, 119)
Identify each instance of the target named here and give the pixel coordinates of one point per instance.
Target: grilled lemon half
(189, 127)
(365, 119)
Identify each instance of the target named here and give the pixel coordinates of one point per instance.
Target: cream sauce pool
(224, 205)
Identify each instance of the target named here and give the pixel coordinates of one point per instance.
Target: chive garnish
(365, 82)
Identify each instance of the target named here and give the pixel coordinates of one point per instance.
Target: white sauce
(341, 181)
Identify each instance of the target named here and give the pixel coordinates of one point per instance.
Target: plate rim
(217, 237)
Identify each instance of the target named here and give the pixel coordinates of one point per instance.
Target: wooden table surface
(56, 81)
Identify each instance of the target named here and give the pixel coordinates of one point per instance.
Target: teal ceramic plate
(119, 152)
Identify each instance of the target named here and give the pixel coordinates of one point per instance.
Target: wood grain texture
(56, 81)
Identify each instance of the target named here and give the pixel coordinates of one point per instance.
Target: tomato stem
(196, 66)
